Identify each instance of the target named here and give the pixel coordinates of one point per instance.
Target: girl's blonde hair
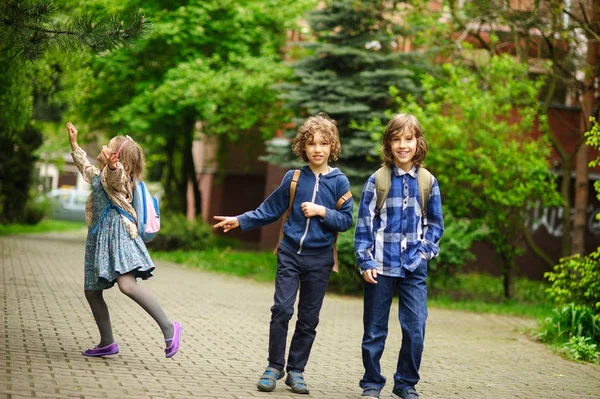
(323, 124)
(131, 155)
(401, 124)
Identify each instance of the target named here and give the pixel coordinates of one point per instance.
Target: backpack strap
(383, 182)
(338, 205)
(286, 215)
(424, 180)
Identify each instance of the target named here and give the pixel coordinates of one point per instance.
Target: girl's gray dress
(109, 250)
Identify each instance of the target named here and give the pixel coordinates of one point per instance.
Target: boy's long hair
(323, 124)
(400, 124)
(131, 156)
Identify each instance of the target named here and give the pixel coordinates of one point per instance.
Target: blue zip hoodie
(303, 235)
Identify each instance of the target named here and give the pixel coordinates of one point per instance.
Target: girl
(114, 252)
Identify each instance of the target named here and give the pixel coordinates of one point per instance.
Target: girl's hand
(311, 209)
(111, 158)
(227, 223)
(72, 134)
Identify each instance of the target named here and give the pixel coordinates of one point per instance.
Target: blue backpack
(146, 207)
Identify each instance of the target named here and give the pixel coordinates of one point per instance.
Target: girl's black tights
(142, 297)
(100, 312)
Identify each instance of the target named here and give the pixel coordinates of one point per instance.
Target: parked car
(68, 203)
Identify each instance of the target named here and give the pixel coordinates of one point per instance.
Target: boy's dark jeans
(311, 272)
(412, 314)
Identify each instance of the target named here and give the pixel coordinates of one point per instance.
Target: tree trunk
(582, 158)
(508, 277)
(565, 192)
(194, 198)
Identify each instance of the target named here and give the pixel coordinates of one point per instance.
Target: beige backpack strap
(286, 215)
(383, 182)
(424, 181)
(338, 205)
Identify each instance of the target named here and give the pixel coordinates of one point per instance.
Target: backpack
(286, 215)
(147, 210)
(383, 182)
(146, 207)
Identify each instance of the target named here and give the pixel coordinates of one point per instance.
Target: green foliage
(488, 166)
(455, 248)
(208, 61)
(575, 329)
(593, 141)
(576, 279)
(260, 266)
(348, 280)
(45, 226)
(346, 71)
(28, 29)
(177, 232)
(582, 348)
(37, 208)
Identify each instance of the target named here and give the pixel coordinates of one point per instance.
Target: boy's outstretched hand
(227, 223)
(370, 276)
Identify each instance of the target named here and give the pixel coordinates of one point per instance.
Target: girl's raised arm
(87, 170)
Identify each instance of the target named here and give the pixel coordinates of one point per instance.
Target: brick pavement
(46, 323)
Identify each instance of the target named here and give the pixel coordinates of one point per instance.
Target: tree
(33, 30)
(28, 29)
(213, 62)
(567, 34)
(346, 71)
(488, 166)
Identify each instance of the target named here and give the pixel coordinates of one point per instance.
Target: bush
(576, 279)
(348, 280)
(455, 251)
(455, 248)
(575, 330)
(36, 210)
(177, 232)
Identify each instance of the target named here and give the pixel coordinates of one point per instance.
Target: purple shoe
(172, 349)
(111, 349)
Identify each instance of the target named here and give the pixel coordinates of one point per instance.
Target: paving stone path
(46, 323)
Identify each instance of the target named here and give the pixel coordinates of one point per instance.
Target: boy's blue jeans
(412, 314)
(311, 273)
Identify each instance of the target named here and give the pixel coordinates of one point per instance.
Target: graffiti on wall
(551, 219)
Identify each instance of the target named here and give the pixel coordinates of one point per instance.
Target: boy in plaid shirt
(393, 247)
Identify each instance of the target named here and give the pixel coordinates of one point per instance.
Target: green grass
(260, 266)
(44, 226)
(483, 293)
(470, 292)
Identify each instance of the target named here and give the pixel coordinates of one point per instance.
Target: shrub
(455, 248)
(36, 209)
(575, 330)
(576, 279)
(348, 280)
(177, 232)
(570, 321)
(455, 251)
(581, 348)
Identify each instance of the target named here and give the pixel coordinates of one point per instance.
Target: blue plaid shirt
(393, 241)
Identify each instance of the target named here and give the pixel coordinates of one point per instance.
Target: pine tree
(29, 28)
(352, 63)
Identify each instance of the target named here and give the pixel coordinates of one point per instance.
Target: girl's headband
(123, 145)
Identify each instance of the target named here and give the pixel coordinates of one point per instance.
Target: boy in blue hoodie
(306, 251)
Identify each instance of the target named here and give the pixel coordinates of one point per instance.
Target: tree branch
(535, 249)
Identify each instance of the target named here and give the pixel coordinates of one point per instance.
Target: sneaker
(370, 393)
(295, 380)
(269, 379)
(409, 393)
